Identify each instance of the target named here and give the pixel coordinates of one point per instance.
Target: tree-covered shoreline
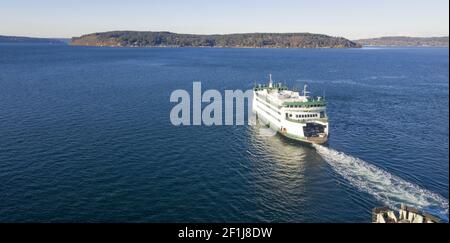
(253, 40)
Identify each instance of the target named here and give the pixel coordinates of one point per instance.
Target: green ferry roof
(259, 87)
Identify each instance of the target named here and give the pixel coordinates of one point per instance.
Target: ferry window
(290, 115)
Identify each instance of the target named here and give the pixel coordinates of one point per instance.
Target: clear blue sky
(349, 18)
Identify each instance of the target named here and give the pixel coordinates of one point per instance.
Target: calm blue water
(85, 136)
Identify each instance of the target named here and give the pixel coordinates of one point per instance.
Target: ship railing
(303, 121)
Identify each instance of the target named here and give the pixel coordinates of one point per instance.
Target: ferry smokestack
(270, 81)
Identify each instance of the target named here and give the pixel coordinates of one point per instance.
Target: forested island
(254, 40)
(406, 41)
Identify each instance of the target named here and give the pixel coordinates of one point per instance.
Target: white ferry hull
(277, 128)
(289, 122)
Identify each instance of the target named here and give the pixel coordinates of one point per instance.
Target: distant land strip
(406, 41)
(253, 40)
(21, 39)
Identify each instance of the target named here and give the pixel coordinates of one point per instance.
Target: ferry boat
(297, 116)
(406, 214)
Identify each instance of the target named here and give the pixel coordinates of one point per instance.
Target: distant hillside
(168, 39)
(20, 39)
(405, 41)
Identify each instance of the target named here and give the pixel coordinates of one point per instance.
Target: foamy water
(384, 186)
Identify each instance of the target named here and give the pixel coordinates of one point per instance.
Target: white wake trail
(385, 187)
